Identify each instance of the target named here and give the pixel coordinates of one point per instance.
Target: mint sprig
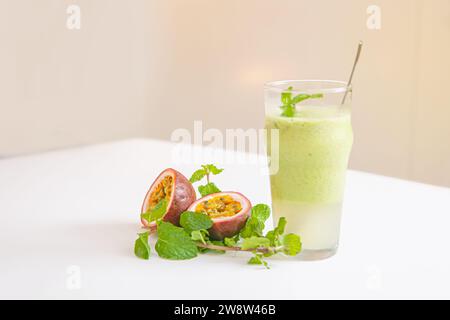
(192, 236)
(289, 102)
(206, 171)
(185, 242)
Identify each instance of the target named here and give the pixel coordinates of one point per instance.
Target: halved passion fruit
(175, 190)
(229, 212)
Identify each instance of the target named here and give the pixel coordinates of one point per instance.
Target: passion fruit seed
(221, 206)
(162, 191)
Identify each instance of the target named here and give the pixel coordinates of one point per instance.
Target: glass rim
(336, 86)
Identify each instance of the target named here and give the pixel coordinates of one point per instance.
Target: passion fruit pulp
(175, 189)
(229, 212)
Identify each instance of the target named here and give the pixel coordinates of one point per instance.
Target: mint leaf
(292, 244)
(198, 175)
(210, 168)
(286, 96)
(208, 189)
(255, 242)
(205, 171)
(274, 235)
(301, 97)
(255, 224)
(316, 96)
(258, 259)
(261, 212)
(198, 235)
(193, 221)
(146, 216)
(157, 212)
(141, 247)
(281, 225)
(230, 242)
(174, 243)
(255, 260)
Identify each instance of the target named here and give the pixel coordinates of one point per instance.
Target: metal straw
(358, 53)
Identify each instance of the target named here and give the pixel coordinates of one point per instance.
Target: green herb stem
(211, 246)
(151, 227)
(263, 250)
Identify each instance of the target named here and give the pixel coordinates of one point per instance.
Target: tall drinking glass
(315, 140)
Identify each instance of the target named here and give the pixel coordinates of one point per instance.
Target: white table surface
(80, 207)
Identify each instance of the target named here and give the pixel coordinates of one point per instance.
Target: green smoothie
(314, 149)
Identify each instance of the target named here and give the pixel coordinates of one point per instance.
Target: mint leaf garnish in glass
(289, 102)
